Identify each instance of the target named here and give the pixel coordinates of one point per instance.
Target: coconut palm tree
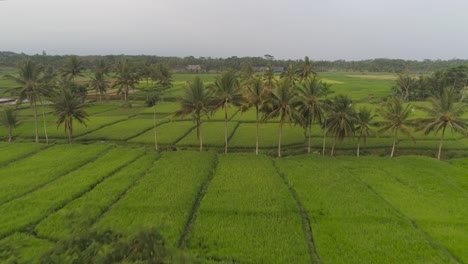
(9, 121)
(309, 105)
(395, 115)
(101, 67)
(227, 93)
(305, 69)
(281, 104)
(444, 113)
(290, 74)
(341, 119)
(363, 126)
(126, 78)
(99, 83)
(30, 81)
(247, 72)
(196, 101)
(254, 96)
(68, 107)
(269, 80)
(73, 68)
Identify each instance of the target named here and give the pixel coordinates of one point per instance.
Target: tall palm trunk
(155, 134)
(36, 128)
(225, 128)
(310, 143)
(199, 134)
(44, 122)
(256, 135)
(358, 145)
(279, 138)
(441, 142)
(394, 143)
(10, 134)
(333, 149)
(70, 131)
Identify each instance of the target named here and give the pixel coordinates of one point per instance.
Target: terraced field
(236, 208)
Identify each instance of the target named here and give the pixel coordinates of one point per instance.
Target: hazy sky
(321, 29)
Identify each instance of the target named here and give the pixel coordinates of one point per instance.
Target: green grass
(78, 215)
(22, 176)
(62, 190)
(16, 151)
(212, 133)
(163, 198)
(23, 248)
(431, 193)
(167, 133)
(121, 131)
(268, 135)
(248, 215)
(350, 223)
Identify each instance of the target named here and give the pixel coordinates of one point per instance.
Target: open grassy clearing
(80, 214)
(22, 176)
(62, 190)
(350, 223)
(163, 198)
(248, 213)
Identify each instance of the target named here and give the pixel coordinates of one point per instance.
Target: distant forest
(207, 64)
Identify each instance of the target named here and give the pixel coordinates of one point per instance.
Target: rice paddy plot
(244, 137)
(120, 131)
(431, 193)
(16, 151)
(248, 215)
(350, 223)
(212, 134)
(23, 176)
(162, 199)
(58, 193)
(78, 215)
(167, 133)
(23, 248)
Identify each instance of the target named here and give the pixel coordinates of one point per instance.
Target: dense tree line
(208, 64)
(298, 97)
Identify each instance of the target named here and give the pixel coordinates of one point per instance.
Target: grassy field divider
(188, 227)
(82, 213)
(306, 223)
(146, 130)
(186, 134)
(233, 115)
(436, 245)
(100, 127)
(122, 195)
(45, 184)
(27, 155)
(51, 198)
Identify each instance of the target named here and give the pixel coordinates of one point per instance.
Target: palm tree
(254, 96)
(341, 120)
(281, 104)
(305, 70)
(227, 92)
(9, 121)
(310, 106)
(290, 74)
(72, 68)
(68, 107)
(125, 79)
(30, 81)
(197, 101)
(247, 72)
(269, 80)
(101, 67)
(363, 125)
(395, 115)
(444, 112)
(99, 83)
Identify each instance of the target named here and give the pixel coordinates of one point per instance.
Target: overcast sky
(320, 29)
